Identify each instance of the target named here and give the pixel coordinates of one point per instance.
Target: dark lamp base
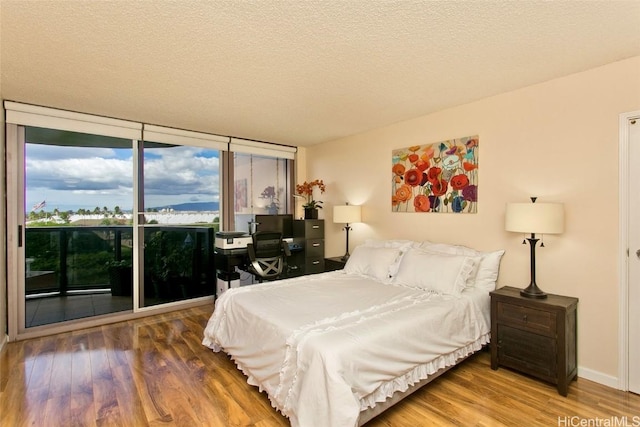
(532, 291)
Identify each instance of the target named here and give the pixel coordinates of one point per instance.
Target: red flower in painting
(469, 166)
(433, 174)
(421, 203)
(439, 187)
(413, 177)
(422, 165)
(413, 157)
(458, 182)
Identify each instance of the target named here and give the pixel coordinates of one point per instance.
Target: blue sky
(70, 178)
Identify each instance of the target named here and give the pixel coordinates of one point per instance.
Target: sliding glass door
(78, 248)
(179, 214)
(100, 224)
(79, 222)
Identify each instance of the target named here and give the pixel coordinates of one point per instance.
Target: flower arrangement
(306, 189)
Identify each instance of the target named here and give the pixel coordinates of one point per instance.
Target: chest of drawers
(309, 234)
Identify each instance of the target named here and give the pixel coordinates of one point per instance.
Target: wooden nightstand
(334, 263)
(535, 336)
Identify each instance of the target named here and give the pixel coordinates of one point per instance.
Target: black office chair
(267, 255)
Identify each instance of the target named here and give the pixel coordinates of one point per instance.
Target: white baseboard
(598, 377)
(4, 338)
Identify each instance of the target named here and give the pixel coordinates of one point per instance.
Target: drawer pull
(315, 226)
(524, 318)
(315, 262)
(315, 245)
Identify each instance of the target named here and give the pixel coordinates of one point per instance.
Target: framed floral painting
(439, 177)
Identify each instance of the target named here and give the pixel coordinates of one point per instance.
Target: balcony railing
(178, 260)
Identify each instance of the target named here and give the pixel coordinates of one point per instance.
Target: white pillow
(488, 268)
(374, 262)
(403, 245)
(470, 282)
(437, 272)
(390, 243)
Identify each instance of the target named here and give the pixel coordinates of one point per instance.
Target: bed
(337, 348)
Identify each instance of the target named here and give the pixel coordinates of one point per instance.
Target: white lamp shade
(346, 214)
(542, 218)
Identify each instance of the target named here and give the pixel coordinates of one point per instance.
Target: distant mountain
(195, 206)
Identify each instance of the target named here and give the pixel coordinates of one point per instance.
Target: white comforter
(325, 347)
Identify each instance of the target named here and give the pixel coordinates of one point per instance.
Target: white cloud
(85, 177)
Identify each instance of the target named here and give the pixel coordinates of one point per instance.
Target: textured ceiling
(297, 72)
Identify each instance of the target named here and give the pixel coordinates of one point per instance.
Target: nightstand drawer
(528, 319)
(522, 350)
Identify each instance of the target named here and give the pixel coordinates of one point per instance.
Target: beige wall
(556, 140)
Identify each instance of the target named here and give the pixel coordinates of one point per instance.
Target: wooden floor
(155, 372)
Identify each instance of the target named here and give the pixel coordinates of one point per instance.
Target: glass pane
(178, 263)
(181, 209)
(261, 187)
(78, 193)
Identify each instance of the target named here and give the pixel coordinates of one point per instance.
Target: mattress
(328, 346)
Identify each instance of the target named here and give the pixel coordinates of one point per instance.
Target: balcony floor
(43, 311)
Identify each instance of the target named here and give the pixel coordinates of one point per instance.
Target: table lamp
(541, 218)
(347, 214)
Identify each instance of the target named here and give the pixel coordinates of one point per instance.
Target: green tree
(65, 216)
